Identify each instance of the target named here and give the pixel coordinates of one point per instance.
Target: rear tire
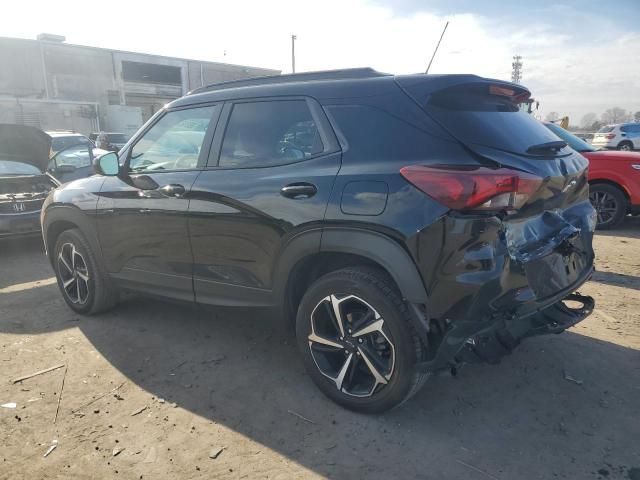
(371, 366)
(625, 146)
(610, 204)
(84, 285)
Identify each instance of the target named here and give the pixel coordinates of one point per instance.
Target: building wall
(61, 86)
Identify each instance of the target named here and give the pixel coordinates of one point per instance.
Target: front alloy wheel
(74, 274)
(349, 346)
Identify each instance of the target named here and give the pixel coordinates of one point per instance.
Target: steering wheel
(291, 151)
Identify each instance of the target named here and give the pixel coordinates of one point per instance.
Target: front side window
(261, 134)
(172, 143)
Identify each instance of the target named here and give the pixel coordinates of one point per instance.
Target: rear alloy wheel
(610, 204)
(625, 146)
(349, 346)
(357, 340)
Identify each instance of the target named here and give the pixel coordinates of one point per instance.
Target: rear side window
(377, 135)
(261, 134)
(475, 116)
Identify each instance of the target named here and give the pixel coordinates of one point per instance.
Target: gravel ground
(154, 390)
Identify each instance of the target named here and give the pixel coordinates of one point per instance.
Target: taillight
(610, 136)
(473, 188)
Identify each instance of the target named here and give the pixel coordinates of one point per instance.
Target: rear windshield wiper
(546, 148)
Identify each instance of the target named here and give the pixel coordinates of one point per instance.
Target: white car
(624, 136)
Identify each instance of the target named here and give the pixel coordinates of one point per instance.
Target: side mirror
(108, 164)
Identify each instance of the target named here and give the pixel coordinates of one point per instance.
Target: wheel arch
(61, 218)
(315, 254)
(612, 183)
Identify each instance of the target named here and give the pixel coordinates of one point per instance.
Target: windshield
(116, 137)
(605, 129)
(574, 142)
(17, 168)
(60, 143)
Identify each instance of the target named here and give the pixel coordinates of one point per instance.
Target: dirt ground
(563, 406)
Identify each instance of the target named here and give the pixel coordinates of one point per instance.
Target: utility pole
(293, 53)
(516, 72)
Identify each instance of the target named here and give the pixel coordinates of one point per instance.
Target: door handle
(299, 190)
(172, 190)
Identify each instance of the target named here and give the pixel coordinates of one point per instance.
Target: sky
(579, 56)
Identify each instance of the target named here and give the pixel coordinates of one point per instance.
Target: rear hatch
(533, 182)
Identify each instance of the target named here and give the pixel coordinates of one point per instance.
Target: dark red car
(614, 179)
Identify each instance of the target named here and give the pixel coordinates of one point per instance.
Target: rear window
(605, 130)
(475, 116)
(574, 142)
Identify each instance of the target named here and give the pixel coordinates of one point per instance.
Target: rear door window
(267, 133)
(475, 116)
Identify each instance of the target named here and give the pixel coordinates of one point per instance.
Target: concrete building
(52, 85)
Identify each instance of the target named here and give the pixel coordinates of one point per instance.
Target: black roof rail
(344, 74)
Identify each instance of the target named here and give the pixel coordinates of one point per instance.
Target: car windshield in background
(605, 130)
(17, 168)
(116, 138)
(60, 143)
(479, 118)
(574, 142)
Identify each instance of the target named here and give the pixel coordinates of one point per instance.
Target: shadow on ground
(519, 419)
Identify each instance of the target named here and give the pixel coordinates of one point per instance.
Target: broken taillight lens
(473, 188)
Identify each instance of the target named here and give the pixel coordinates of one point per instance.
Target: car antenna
(436, 49)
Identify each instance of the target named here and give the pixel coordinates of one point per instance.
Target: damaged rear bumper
(490, 341)
(499, 281)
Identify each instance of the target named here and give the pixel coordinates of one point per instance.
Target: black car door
(269, 178)
(141, 214)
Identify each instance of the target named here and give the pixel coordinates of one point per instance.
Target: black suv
(409, 224)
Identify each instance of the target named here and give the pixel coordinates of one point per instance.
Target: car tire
(610, 204)
(625, 146)
(365, 372)
(85, 287)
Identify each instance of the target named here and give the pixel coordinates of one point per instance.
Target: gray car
(24, 182)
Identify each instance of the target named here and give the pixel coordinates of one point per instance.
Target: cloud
(576, 60)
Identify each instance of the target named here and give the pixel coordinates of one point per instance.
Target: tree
(552, 116)
(636, 116)
(615, 115)
(588, 119)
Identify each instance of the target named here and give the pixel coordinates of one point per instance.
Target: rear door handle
(299, 190)
(172, 190)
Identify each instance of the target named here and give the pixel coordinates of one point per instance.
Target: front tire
(610, 204)
(359, 346)
(84, 286)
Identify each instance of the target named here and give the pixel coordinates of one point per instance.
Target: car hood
(612, 155)
(24, 144)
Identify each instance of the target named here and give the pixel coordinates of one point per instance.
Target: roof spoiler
(421, 87)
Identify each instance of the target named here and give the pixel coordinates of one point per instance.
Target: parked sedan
(614, 179)
(24, 182)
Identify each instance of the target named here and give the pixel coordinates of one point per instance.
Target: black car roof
(332, 84)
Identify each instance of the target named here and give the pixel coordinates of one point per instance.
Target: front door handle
(299, 190)
(172, 190)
